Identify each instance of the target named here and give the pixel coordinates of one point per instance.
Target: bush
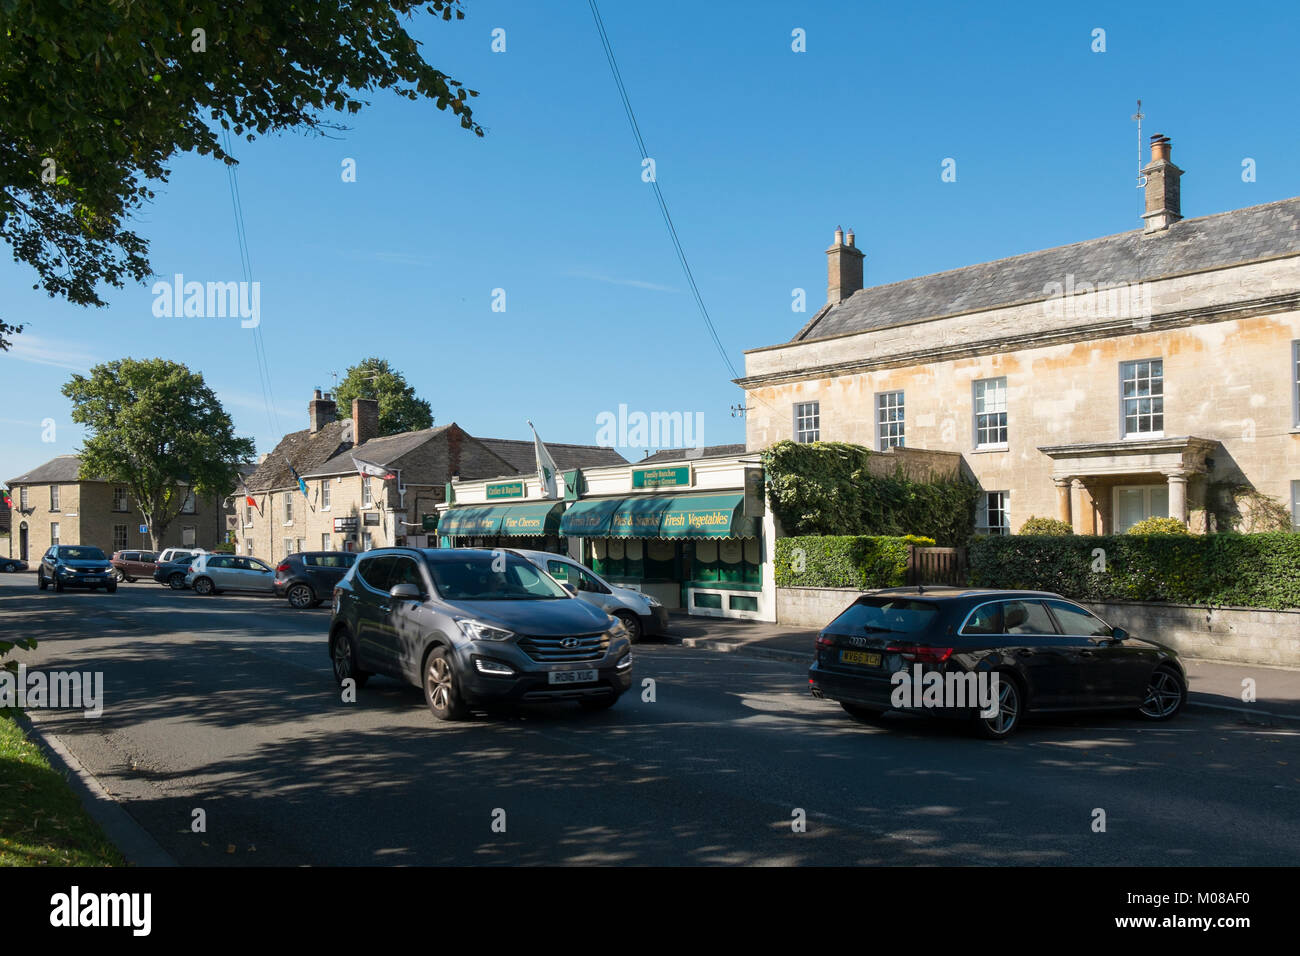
(1159, 526)
(1242, 570)
(1048, 526)
(844, 561)
(827, 488)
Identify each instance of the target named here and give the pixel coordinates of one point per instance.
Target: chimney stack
(365, 420)
(843, 268)
(321, 410)
(1163, 204)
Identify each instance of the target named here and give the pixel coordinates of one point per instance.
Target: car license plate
(860, 657)
(573, 677)
(94, 577)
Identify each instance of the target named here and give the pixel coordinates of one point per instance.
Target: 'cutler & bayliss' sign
(505, 489)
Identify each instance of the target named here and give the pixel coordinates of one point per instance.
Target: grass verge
(42, 823)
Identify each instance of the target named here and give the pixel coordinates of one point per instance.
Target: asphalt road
(227, 704)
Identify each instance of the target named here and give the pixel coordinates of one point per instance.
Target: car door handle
(385, 608)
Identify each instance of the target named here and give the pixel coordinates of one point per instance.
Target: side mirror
(571, 589)
(1118, 635)
(404, 592)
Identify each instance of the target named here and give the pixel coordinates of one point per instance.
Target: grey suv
(474, 627)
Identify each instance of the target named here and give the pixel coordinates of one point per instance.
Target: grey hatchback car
(474, 627)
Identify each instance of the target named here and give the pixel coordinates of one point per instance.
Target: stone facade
(1224, 328)
(87, 514)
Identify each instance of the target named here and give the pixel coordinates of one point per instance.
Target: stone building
(345, 510)
(1153, 372)
(53, 505)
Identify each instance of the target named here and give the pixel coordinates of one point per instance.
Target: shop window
(742, 602)
(711, 601)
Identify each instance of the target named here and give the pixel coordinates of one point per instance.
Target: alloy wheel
(1164, 696)
(342, 658)
(1007, 718)
(438, 678)
(300, 596)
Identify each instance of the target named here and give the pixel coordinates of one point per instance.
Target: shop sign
(505, 489)
(677, 477)
(429, 522)
(755, 499)
(372, 517)
(345, 524)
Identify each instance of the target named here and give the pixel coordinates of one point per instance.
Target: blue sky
(760, 152)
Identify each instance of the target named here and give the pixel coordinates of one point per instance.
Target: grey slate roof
(62, 468)
(690, 454)
(1191, 245)
(380, 451)
(520, 454)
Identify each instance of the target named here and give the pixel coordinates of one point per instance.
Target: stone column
(1085, 516)
(1063, 509)
(1177, 495)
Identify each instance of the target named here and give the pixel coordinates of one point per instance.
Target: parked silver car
(642, 614)
(214, 573)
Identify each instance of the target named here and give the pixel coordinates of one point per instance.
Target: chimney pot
(321, 411)
(1163, 194)
(843, 268)
(849, 237)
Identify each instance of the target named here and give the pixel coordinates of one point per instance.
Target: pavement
(1209, 683)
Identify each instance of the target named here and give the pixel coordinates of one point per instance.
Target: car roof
(945, 592)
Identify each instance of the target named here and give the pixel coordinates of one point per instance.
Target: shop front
(699, 552)
(532, 526)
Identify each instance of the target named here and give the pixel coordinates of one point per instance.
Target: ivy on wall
(844, 561)
(826, 488)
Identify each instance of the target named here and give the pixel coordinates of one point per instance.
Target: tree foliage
(844, 561)
(157, 428)
(828, 488)
(400, 410)
(97, 98)
(1156, 525)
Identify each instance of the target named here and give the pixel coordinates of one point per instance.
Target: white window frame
(54, 533)
(189, 536)
(1295, 383)
(982, 428)
(22, 498)
(288, 508)
(121, 504)
(121, 537)
(982, 523)
(288, 546)
(324, 494)
(190, 504)
(1146, 490)
(54, 497)
(325, 541)
(1124, 372)
(807, 422)
(365, 541)
(367, 496)
(885, 442)
(248, 515)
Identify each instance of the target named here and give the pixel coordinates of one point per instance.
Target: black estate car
(939, 650)
(474, 626)
(307, 578)
(75, 566)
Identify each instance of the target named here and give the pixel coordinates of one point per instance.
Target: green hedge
(1216, 570)
(844, 561)
(826, 488)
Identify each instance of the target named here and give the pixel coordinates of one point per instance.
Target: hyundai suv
(75, 566)
(473, 627)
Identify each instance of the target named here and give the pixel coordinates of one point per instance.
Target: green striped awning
(661, 516)
(483, 521)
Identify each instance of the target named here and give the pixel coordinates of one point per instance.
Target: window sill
(1143, 436)
(989, 449)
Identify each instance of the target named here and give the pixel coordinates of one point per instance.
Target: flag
(545, 467)
(9, 502)
(371, 469)
(302, 485)
(248, 495)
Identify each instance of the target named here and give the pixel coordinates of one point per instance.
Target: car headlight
(63, 570)
(624, 663)
(478, 631)
(651, 600)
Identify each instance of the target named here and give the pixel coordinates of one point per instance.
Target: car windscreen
(489, 577)
(896, 615)
(81, 554)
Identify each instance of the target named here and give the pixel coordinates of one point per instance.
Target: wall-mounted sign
(371, 517)
(345, 524)
(429, 522)
(677, 477)
(505, 489)
(144, 529)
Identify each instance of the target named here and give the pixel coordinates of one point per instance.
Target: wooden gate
(936, 566)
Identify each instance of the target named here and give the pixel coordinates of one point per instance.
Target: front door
(22, 541)
(1134, 503)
